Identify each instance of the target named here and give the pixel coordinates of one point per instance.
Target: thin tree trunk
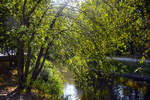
(35, 69)
(20, 64)
(27, 63)
(10, 59)
(37, 63)
(44, 58)
(30, 49)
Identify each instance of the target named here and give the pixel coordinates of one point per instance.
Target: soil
(8, 85)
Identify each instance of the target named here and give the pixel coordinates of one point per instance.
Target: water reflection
(120, 91)
(70, 92)
(132, 94)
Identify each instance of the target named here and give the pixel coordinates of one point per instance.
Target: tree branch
(24, 7)
(33, 9)
(45, 55)
(37, 63)
(56, 16)
(29, 47)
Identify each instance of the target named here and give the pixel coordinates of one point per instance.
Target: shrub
(49, 83)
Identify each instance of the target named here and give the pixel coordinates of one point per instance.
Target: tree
(34, 36)
(105, 27)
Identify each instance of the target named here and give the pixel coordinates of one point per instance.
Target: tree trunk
(27, 63)
(10, 58)
(147, 96)
(20, 64)
(37, 63)
(35, 70)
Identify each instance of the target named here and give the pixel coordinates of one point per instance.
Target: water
(70, 91)
(132, 95)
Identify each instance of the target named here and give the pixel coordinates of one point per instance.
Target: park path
(127, 59)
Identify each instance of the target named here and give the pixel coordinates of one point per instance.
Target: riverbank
(8, 85)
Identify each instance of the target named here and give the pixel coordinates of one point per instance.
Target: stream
(137, 90)
(70, 91)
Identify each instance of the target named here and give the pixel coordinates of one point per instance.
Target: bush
(49, 83)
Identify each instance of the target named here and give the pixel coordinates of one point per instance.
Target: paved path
(127, 59)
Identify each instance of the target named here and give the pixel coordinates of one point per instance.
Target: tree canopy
(78, 36)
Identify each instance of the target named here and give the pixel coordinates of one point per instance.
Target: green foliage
(52, 85)
(80, 40)
(102, 28)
